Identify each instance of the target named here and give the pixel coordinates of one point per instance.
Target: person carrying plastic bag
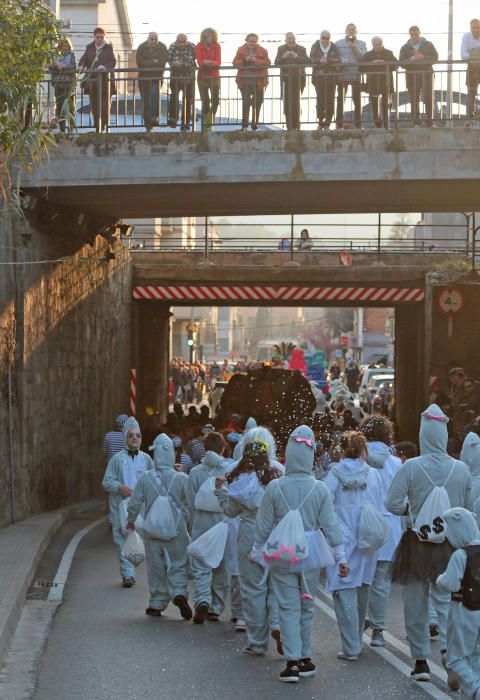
(166, 536)
(354, 487)
(417, 561)
(295, 591)
(210, 584)
(121, 476)
(240, 493)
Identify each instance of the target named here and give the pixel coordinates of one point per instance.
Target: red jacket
(211, 53)
(258, 69)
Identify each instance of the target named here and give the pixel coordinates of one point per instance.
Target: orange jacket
(257, 70)
(211, 53)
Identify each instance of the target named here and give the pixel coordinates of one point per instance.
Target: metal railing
(125, 96)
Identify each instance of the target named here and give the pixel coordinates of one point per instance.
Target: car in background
(383, 400)
(373, 386)
(365, 376)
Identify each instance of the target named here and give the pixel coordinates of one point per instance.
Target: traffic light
(190, 340)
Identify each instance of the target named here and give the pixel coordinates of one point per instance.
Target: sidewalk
(21, 548)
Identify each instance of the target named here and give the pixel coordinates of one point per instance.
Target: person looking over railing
(181, 58)
(151, 56)
(209, 57)
(351, 51)
(97, 60)
(305, 242)
(417, 56)
(470, 52)
(292, 79)
(325, 58)
(63, 75)
(252, 61)
(379, 80)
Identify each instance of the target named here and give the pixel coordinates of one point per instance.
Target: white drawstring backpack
(429, 524)
(160, 522)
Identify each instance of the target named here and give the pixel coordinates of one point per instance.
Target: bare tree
(401, 227)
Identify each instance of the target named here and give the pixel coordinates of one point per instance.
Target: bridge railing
(208, 238)
(128, 93)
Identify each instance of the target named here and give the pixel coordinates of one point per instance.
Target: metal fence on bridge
(123, 93)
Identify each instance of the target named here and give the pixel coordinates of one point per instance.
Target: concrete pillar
(151, 353)
(410, 397)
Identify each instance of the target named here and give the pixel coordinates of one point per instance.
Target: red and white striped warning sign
(244, 293)
(133, 391)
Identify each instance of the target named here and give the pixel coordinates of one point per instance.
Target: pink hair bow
(432, 416)
(306, 440)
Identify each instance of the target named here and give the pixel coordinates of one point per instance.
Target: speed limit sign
(450, 301)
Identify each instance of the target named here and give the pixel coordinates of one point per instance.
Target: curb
(12, 598)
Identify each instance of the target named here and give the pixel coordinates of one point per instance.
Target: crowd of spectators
(336, 68)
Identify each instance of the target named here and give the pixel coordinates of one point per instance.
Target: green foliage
(29, 36)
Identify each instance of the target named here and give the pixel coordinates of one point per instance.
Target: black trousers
(421, 84)
(357, 102)
(380, 103)
(252, 98)
(100, 101)
(291, 91)
(186, 86)
(325, 88)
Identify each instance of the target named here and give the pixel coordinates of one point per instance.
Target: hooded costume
(259, 606)
(166, 560)
(417, 564)
(258, 433)
(124, 469)
(352, 485)
(211, 586)
(470, 455)
(463, 628)
(299, 488)
(380, 458)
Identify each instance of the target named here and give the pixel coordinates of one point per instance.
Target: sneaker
(347, 657)
(434, 631)
(128, 581)
(306, 668)
(153, 612)
(275, 634)
(182, 604)
(240, 626)
(291, 674)
(452, 682)
(212, 617)
(201, 612)
(377, 639)
(421, 672)
(253, 652)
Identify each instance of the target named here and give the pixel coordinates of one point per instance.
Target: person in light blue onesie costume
(247, 484)
(210, 586)
(121, 476)
(166, 559)
(470, 454)
(417, 564)
(295, 591)
(463, 627)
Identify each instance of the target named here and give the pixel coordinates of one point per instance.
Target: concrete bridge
(147, 175)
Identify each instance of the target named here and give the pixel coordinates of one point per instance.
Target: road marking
(56, 592)
(429, 688)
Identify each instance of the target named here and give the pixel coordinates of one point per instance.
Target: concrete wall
(65, 329)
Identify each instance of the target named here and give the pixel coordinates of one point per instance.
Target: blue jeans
(150, 93)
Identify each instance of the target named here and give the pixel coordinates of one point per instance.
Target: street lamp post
(450, 66)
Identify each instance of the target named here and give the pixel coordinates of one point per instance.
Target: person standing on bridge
(166, 559)
(379, 65)
(325, 58)
(98, 59)
(151, 56)
(292, 59)
(209, 58)
(181, 58)
(470, 51)
(121, 476)
(417, 561)
(252, 61)
(351, 51)
(417, 56)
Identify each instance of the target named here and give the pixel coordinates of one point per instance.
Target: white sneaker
(240, 626)
(252, 652)
(346, 657)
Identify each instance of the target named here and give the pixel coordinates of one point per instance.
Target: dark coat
(106, 59)
(330, 67)
(151, 57)
(425, 66)
(301, 61)
(376, 73)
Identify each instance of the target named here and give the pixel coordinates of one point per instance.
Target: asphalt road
(102, 646)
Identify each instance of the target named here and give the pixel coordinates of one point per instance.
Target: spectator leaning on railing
(470, 52)
(417, 56)
(292, 78)
(181, 58)
(351, 52)
(325, 59)
(209, 57)
(63, 75)
(151, 56)
(379, 80)
(252, 61)
(97, 60)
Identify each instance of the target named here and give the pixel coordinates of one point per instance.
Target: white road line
(429, 688)
(56, 592)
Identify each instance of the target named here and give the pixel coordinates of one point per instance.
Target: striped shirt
(112, 443)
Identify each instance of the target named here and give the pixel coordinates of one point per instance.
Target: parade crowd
(342, 505)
